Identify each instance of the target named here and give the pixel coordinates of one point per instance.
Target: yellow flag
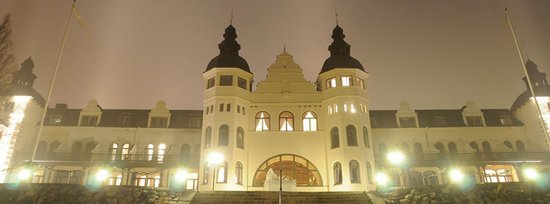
(78, 17)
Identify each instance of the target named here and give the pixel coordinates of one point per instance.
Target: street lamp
(398, 160)
(214, 159)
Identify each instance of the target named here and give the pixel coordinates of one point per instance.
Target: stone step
(263, 197)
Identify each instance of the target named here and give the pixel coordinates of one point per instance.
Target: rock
(404, 201)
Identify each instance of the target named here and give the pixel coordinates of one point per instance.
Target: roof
(229, 53)
(340, 53)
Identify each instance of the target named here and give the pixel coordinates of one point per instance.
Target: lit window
(221, 176)
(335, 108)
(115, 179)
(355, 175)
(330, 110)
(310, 121)
(262, 121)
(345, 107)
(161, 151)
(226, 80)
(352, 108)
(125, 151)
(150, 150)
(346, 80)
(360, 83)
(286, 121)
(113, 152)
(331, 83)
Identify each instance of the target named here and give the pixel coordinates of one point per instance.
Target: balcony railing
(439, 159)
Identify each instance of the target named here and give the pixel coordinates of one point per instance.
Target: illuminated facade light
(181, 175)
(381, 179)
(456, 175)
(102, 174)
(396, 157)
(10, 132)
(531, 174)
(24, 174)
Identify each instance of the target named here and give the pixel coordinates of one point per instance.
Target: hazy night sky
(130, 53)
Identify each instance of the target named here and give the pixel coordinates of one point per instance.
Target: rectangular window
(228, 109)
(407, 122)
(360, 83)
(346, 80)
(345, 107)
(238, 109)
(88, 121)
(124, 120)
(226, 80)
(331, 83)
(159, 122)
(211, 82)
(241, 83)
(335, 108)
(474, 121)
(221, 107)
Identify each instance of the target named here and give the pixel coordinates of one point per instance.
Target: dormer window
(226, 80)
(331, 83)
(346, 80)
(211, 83)
(474, 121)
(124, 120)
(55, 119)
(88, 120)
(241, 83)
(407, 122)
(159, 122)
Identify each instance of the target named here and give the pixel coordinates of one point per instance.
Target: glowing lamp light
(24, 174)
(456, 175)
(215, 158)
(102, 174)
(181, 175)
(381, 179)
(396, 157)
(9, 133)
(531, 174)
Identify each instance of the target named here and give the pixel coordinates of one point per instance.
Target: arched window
(310, 121)
(369, 173)
(441, 151)
(418, 151)
(293, 167)
(207, 137)
(221, 174)
(205, 173)
(286, 121)
(382, 149)
(366, 137)
(185, 153)
(509, 145)
(337, 173)
(430, 178)
(125, 151)
(262, 121)
(87, 154)
(487, 150)
(239, 172)
(150, 150)
(351, 135)
(520, 146)
(223, 137)
(334, 138)
(161, 152)
(240, 138)
(113, 151)
(76, 151)
(354, 173)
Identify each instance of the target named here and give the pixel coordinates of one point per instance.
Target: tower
(226, 98)
(342, 83)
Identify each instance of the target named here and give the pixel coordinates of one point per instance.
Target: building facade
(317, 136)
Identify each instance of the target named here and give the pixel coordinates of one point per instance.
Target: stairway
(270, 197)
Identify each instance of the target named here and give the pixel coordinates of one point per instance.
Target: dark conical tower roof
(340, 53)
(229, 52)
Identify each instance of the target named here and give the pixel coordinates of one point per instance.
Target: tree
(7, 65)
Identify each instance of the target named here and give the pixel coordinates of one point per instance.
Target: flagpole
(54, 76)
(529, 84)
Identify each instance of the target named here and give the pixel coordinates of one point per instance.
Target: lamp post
(214, 159)
(398, 160)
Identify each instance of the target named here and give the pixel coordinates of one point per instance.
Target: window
(88, 121)
(474, 121)
(124, 120)
(205, 174)
(334, 138)
(354, 173)
(243, 111)
(366, 137)
(221, 107)
(351, 135)
(337, 173)
(239, 172)
(407, 122)
(286, 121)
(159, 122)
(115, 179)
(505, 119)
(226, 80)
(113, 151)
(360, 83)
(352, 108)
(241, 83)
(293, 167)
(240, 138)
(223, 137)
(452, 150)
(330, 110)
(125, 151)
(310, 121)
(210, 83)
(221, 174)
(228, 107)
(149, 180)
(194, 122)
(207, 137)
(55, 119)
(238, 109)
(335, 108)
(262, 121)
(369, 173)
(161, 152)
(346, 80)
(331, 83)
(150, 150)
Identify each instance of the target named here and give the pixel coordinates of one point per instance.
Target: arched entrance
(293, 167)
